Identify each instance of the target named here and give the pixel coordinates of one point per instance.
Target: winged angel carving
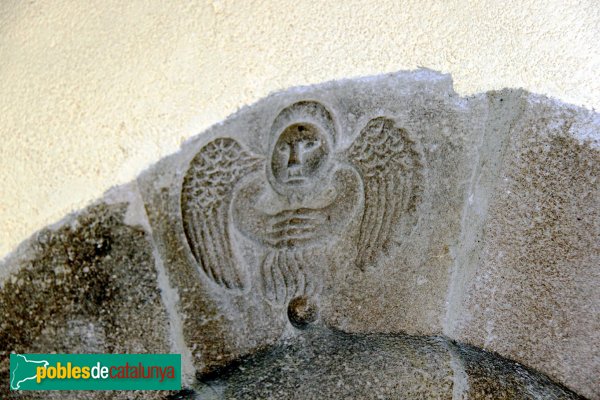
(299, 200)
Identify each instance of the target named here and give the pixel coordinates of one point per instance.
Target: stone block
(384, 230)
(529, 280)
(87, 286)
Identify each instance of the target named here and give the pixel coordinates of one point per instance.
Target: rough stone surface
(385, 206)
(87, 287)
(333, 365)
(531, 289)
(379, 256)
(483, 375)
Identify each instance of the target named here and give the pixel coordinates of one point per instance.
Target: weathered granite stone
(483, 375)
(86, 287)
(382, 224)
(388, 208)
(325, 364)
(322, 364)
(364, 230)
(528, 284)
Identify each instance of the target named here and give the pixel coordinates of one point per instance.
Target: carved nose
(295, 158)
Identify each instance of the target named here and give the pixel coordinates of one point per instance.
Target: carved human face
(301, 151)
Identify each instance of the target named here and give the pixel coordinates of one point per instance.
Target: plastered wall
(93, 92)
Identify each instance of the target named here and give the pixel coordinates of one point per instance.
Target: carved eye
(283, 147)
(311, 144)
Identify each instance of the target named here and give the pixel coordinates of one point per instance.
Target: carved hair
(310, 112)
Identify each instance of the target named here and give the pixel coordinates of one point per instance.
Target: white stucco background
(92, 92)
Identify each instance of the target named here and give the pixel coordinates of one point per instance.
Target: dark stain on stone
(87, 287)
(491, 376)
(322, 363)
(302, 311)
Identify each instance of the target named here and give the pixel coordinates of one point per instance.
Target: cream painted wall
(92, 92)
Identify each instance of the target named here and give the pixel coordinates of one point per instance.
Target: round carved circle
(302, 311)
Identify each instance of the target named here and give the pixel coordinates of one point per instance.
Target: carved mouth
(295, 176)
(296, 180)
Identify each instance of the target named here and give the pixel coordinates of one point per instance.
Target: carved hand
(294, 227)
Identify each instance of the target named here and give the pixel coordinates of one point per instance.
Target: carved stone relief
(357, 205)
(332, 237)
(296, 202)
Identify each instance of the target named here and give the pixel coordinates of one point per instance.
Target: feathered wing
(390, 167)
(205, 199)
